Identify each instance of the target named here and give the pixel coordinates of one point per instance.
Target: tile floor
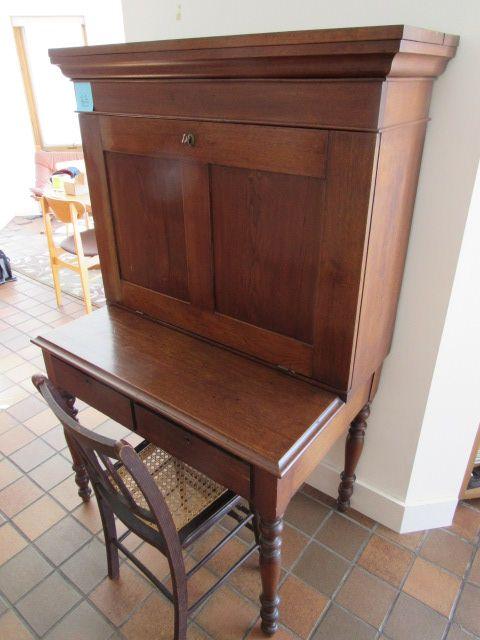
(344, 578)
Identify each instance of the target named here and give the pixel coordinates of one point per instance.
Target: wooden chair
(158, 497)
(82, 244)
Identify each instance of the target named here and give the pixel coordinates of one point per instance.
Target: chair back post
(96, 450)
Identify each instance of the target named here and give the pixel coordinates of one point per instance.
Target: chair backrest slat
(97, 450)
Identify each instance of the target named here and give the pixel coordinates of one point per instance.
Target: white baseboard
(389, 511)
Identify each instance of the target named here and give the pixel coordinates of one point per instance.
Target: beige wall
(388, 488)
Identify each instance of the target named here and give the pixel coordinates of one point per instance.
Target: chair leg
(56, 284)
(110, 535)
(180, 603)
(86, 289)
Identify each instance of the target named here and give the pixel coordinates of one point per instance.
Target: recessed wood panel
(147, 211)
(266, 236)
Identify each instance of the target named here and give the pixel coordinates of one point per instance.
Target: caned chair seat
(161, 499)
(187, 492)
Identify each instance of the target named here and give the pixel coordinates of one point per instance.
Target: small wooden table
(84, 198)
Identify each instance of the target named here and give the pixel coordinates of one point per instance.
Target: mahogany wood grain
(266, 241)
(276, 236)
(254, 412)
(344, 232)
(395, 190)
(297, 151)
(101, 208)
(325, 104)
(197, 452)
(241, 336)
(353, 451)
(95, 393)
(358, 52)
(148, 222)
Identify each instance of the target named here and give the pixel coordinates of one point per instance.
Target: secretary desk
(252, 198)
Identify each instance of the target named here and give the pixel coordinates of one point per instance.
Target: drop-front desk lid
(253, 411)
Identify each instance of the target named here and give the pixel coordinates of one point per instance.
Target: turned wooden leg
(255, 523)
(353, 451)
(270, 565)
(81, 476)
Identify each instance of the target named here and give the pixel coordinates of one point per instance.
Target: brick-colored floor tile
(88, 567)
(8, 473)
(247, 578)
(306, 514)
(116, 599)
(51, 472)
(432, 585)
(47, 603)
(366, 596)
(474, 575)
(14, 439)
(320, 568)
(63, 539)
(293, 543)
(11, 628)
(386, 560)
(457, 633)
(23, 572)
(39, 517)
(342, 535)
(153, 620)
(26, 408)
(468, 608)
(257, 634)
(42, 422)
(301, 606)
(18, 495)
(82, 623)
(412, 620)
(11, 542)
(89, 515)
(313, 492)
(195, 633)
(447, 550)
(342, 625)
(32, 454)
(226, 615)
(466, 522)
(67, 494)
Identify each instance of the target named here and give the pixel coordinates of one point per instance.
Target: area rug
(23, 240)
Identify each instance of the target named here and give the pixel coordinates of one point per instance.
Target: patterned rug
(25, 243)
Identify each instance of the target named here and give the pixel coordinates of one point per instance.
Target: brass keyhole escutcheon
(188, 139)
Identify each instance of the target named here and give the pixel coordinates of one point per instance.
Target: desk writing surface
(249, 409)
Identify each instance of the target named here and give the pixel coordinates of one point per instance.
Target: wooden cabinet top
(373, 52)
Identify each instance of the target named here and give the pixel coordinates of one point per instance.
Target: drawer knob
(188, 139)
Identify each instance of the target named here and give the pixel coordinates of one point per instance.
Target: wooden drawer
(290, 150)
(95, 393)
(214, 462)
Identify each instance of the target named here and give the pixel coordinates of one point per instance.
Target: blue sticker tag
(84, 96)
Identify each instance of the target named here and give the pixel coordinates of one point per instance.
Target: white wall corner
(386, 509)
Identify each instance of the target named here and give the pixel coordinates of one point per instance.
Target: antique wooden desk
(252, 198)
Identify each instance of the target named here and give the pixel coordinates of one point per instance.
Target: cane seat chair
(161, 499)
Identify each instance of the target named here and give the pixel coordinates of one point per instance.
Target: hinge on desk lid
(285, 369)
